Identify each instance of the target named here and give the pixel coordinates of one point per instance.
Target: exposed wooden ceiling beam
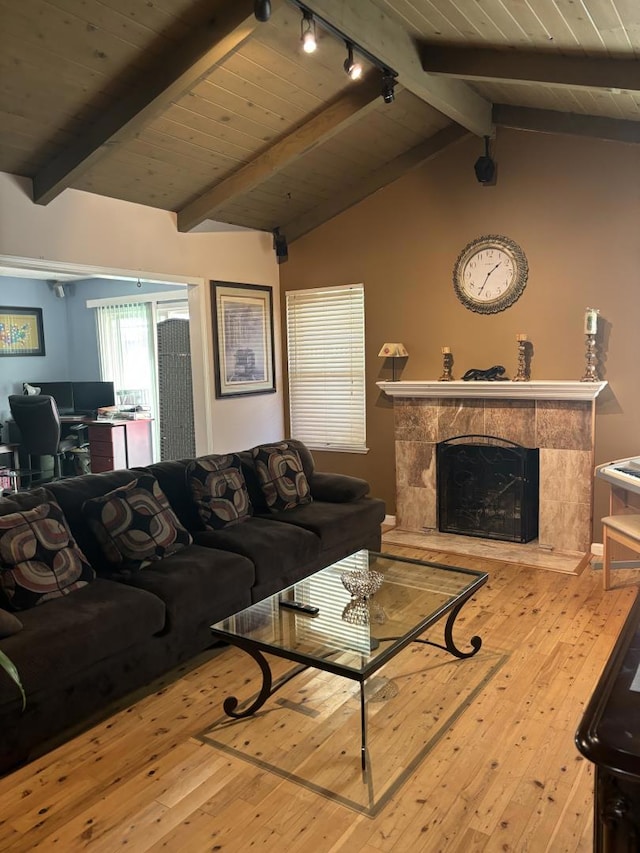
(550, 121)
(380, 34)
(525, 66)
(376, 180)
(336, 117)
(169, 78)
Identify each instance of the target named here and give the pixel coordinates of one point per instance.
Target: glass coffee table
(348, 635)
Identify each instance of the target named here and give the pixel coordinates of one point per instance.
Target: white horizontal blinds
(325, 340)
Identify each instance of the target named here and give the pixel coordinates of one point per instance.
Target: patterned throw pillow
(219, 490)
(39, 559)
(282, 478)
(135, 524)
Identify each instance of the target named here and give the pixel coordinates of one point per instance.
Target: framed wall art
(21, 331)
(243, 339)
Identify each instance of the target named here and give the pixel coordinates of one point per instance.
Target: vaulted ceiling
(199, 108)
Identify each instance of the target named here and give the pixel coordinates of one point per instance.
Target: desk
(117, 443)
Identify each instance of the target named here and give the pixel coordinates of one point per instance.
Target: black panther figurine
(491, 374)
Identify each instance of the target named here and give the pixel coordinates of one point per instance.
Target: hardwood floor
(505, 776)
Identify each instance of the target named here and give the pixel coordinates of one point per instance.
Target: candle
(521, 336)
(591, 321)
(446, 350)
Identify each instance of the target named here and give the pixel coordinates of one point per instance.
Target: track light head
(485, 167)
(280, 246)
(388, 86)
(353, 68)
(308, 32)
(262, 10)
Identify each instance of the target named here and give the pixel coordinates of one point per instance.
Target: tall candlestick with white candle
(590, 330)
(591, 321)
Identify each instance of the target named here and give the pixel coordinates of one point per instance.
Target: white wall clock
(490, 274)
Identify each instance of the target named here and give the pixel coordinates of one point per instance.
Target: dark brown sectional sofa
(77, 653)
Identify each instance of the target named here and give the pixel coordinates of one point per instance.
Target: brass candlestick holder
(590, 371)
(447, 364)
(524, 372)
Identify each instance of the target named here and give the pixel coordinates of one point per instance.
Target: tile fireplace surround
(556, 416)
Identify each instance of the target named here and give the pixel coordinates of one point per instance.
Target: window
(142, 351)
(126, 350)
(325, 342)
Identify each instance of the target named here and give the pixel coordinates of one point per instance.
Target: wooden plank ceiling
(197, 107)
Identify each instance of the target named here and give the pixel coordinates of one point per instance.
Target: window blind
(325, 343)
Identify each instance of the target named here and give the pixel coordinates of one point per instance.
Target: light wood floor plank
(505, 776)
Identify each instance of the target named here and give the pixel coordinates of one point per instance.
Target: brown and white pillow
(39, 559)
(219, 490)
(135, 524)
(281, 476)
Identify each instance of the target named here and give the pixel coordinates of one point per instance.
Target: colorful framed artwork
(21, 331)
(243, 339)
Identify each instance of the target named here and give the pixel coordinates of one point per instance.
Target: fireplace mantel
(536, 389)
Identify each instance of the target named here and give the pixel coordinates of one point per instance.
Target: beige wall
(94, 232)
(574, 207)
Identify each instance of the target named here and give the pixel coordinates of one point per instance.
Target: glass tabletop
(350, 635)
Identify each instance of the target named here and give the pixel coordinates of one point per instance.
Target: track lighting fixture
(262, 10)
(353, 68)
(388, 86)
(485, 167)
(280, 246)
(308, 32)
(311, 20)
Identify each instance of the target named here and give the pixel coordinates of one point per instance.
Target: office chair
(38, 420)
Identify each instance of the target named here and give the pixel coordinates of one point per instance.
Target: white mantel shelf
(535, 389)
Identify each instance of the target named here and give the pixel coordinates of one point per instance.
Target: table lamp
(393, 351)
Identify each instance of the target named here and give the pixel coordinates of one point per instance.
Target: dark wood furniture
(609, 736)
(119, 444)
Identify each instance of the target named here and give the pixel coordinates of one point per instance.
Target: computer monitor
(62, 393)
(89, 396)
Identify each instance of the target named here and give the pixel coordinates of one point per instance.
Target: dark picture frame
(243, 339)
(21, 332)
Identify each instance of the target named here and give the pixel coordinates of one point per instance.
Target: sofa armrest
(337, 488)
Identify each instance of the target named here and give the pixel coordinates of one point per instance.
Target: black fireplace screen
(487, 487)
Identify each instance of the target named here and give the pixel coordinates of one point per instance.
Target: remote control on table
(300, 607)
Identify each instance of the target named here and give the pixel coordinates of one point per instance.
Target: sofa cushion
(278, 551)
(219, 491)
(135, 524)
(39, 559)
(20, 501)
(335, 523)
(281, 475)
(172, 476)
(199, 586)
(9, 624)
(71, 634)
(72, 492)
(337, 488)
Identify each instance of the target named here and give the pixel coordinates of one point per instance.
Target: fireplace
(556, 416)
(487, 487)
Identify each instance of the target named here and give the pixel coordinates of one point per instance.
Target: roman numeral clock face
(490, 274)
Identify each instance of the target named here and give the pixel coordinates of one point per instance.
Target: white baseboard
(389, 520)
(597, 548)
